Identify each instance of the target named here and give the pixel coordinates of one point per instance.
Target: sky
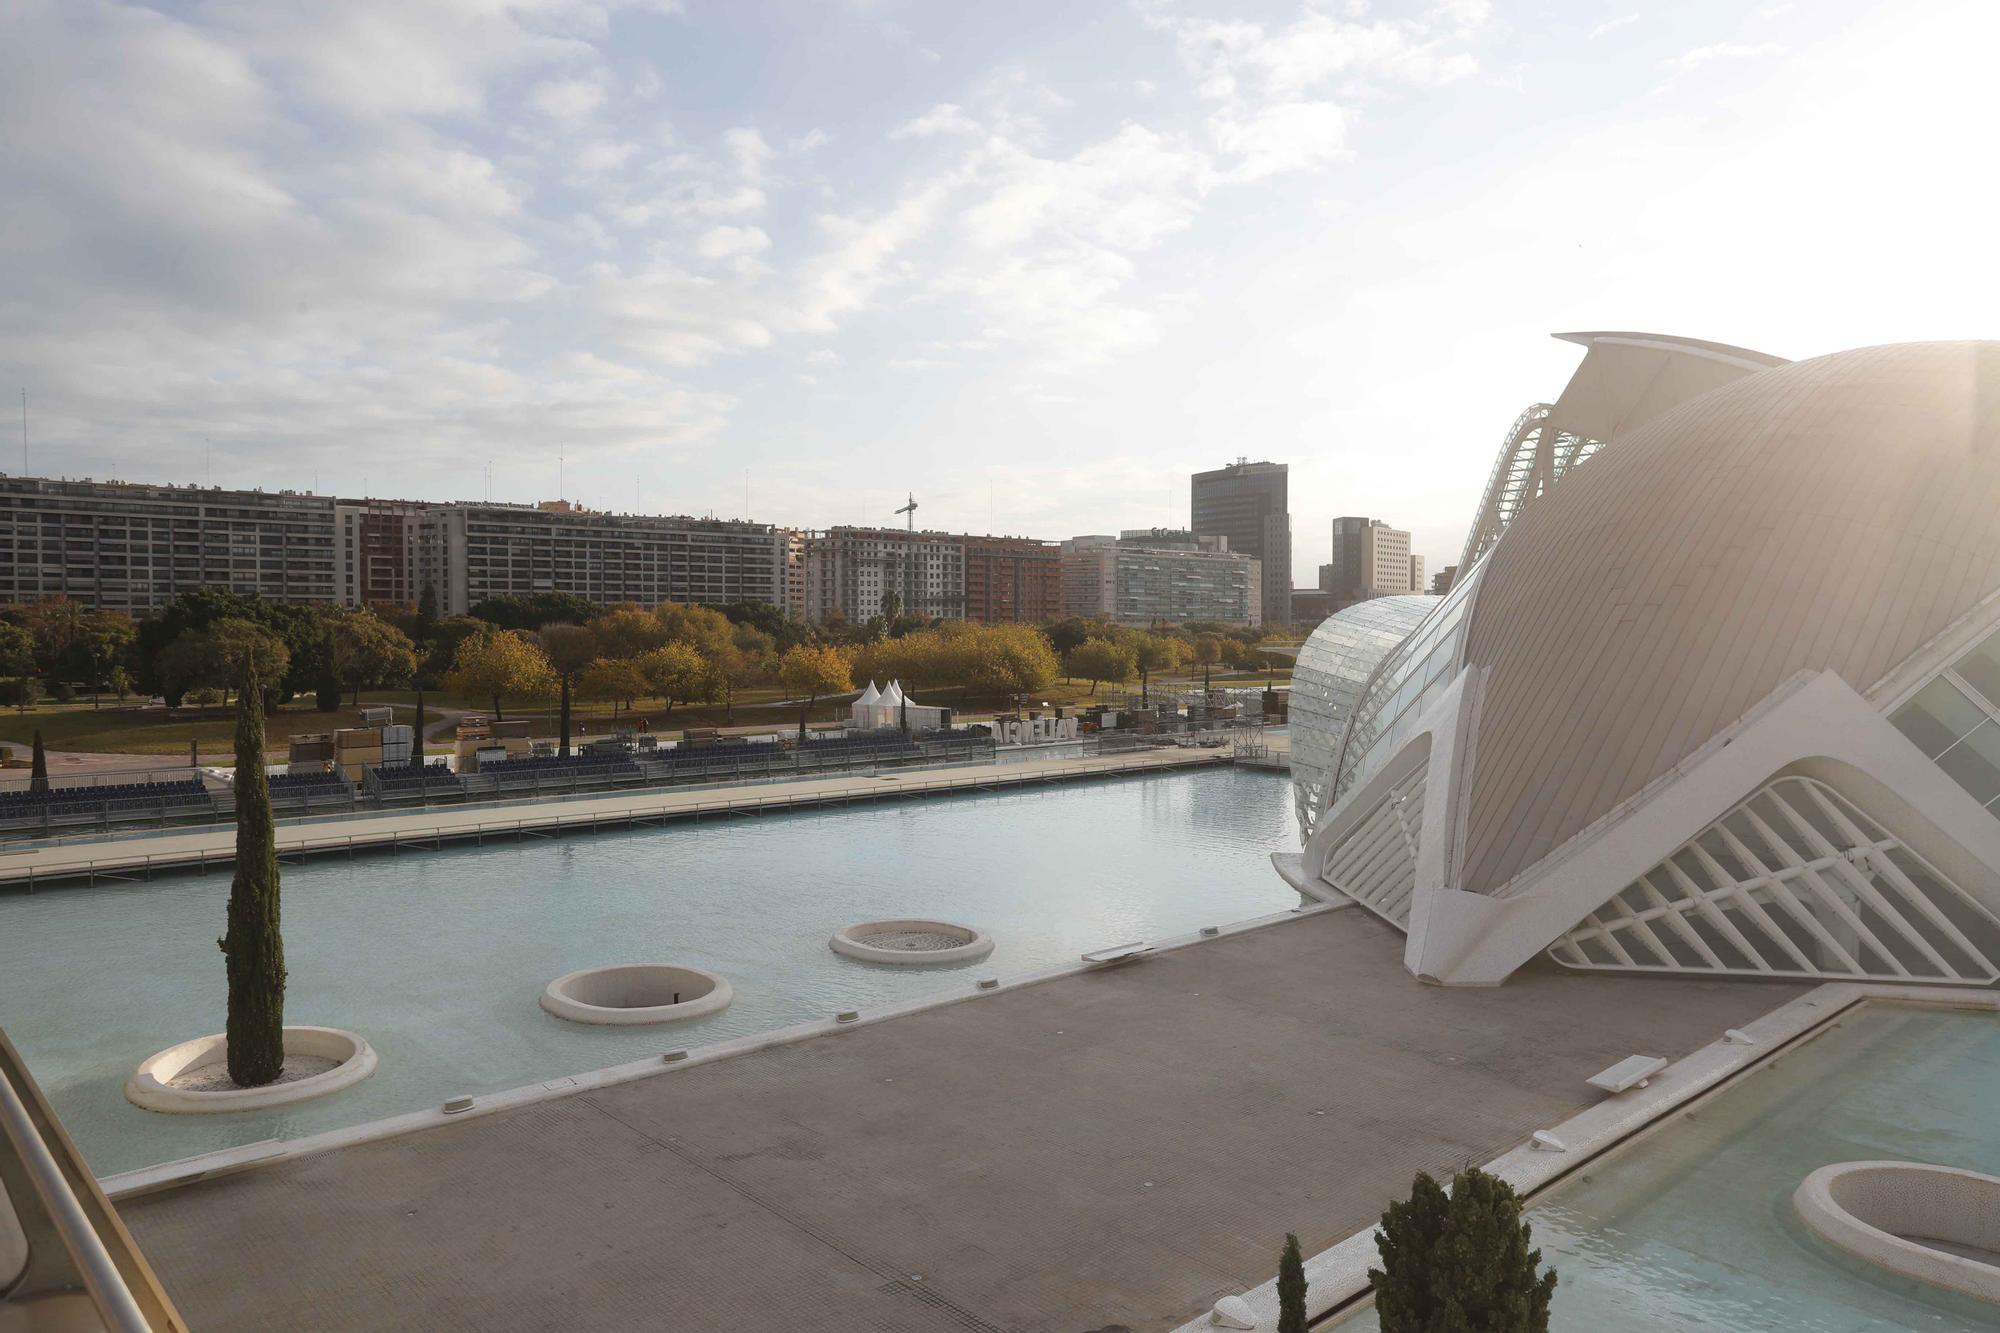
(1033, 263)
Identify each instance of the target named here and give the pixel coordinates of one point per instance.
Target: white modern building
(1716, 689)
(1160, 576)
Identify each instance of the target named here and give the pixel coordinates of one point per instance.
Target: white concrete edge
(1338, 1276)
(227, 1161)
(293, 835)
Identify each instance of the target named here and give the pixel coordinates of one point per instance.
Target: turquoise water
(1692, 1227)
(439, 957)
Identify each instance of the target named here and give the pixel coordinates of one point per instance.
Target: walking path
(1111, 1149)
(138, 856)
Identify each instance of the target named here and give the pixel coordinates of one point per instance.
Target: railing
(76, 1249)
(664, 807)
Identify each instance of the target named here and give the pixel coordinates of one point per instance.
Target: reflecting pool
(1692, 1225)
(438, 957)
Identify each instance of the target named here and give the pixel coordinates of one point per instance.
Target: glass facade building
(1333, 668)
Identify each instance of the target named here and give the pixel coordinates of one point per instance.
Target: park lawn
(129, 730)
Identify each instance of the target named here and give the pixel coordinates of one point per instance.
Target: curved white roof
(1830, 514)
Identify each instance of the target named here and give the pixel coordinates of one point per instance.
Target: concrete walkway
(1111, 1149)
(33, 863)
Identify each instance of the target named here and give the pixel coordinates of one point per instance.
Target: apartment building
(1160, 577)
(849, 571)
(133, 548)
(1012, 580)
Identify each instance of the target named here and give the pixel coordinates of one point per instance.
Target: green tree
(1154, 652)
(1207, 651)
(675, 672)
(1460, 1263)
(1099, 660)
(544, 608)
(363, 649)
(807, 672)
(1069, 634)
(120, 681)
(1291, 1288)
(38, 770)
(570, 649)
(614, 679)
(749, 658)
(626, 631)
(254, 946)
(499, 666)
(233, 647)
(17, 650)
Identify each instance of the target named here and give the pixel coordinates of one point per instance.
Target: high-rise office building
(1370, 559)
(1249, 503)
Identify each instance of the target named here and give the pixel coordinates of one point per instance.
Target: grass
(132, 729)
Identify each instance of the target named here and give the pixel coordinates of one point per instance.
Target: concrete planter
(1935, 1224)
(633, 993)
(911, 943)
(151, 1085)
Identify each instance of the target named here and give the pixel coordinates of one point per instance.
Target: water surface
(438, 957)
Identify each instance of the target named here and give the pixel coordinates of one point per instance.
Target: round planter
(151, 1085)
(632, 993)
(1935, 1224)
(911, 943)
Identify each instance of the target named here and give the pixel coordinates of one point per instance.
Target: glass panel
(1974, 763)
(1981, 668)
(1938, 715)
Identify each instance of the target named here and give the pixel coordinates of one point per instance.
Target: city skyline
(652, 251)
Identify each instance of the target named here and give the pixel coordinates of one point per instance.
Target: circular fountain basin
(192, 1078)
(1934, 1224)
(912, 943)
(634, 993)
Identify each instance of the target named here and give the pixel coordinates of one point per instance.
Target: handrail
(1000, 775)
(102, 1277)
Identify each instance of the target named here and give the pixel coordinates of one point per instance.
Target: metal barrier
(665, 808)
(76, 1249)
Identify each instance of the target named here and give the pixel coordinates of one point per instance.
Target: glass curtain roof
(1332, 668)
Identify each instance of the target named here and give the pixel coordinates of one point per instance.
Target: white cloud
(732, 242)
(749, 151)
(944, 118)
(1688, 61)
(1290, 136)
(568, 100)
(1612, 25)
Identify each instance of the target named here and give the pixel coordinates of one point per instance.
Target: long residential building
(849, 573)
(1160, 577)
(134, 548)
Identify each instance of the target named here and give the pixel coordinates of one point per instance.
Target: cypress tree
(1460, 1262)
(38, 772)
(417, 747)
(1291, 1288)
(254, 946)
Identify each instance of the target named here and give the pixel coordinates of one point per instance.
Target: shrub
(1459, 1263)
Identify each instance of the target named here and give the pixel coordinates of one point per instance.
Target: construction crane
(909, 512)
